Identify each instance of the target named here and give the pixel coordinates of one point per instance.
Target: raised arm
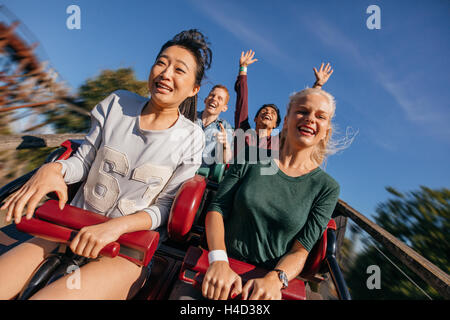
(241, 88)
(322, 75)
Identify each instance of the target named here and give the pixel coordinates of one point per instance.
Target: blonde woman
(274, 220)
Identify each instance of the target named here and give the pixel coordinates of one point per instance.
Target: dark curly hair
(196, 43)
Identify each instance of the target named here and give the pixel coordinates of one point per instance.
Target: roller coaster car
(182, 256)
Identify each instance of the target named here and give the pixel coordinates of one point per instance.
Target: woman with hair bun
(136, 155)
(278, 225)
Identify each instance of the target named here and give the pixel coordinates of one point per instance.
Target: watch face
(283, 278)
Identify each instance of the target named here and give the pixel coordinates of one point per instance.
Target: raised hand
(247, 58)
(322, 75)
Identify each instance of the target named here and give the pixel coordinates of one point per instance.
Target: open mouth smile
(307, 131)
(163, 88)
(212, 105)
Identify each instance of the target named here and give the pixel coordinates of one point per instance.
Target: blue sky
(390, 84)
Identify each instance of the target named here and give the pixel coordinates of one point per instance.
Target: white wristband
(243, 69)
(217, 255)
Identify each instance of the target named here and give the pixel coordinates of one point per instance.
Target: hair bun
(195, 38)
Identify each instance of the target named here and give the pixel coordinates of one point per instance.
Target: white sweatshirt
(129, 169)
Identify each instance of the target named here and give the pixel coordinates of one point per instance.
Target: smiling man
(218, 132)
(267, 118)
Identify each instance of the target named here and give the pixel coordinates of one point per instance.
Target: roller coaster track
(26, 83)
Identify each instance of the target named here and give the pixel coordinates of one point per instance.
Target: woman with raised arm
(273, 218)
(267, 117)
(136, 155)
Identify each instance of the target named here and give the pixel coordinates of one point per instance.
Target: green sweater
(264, 214)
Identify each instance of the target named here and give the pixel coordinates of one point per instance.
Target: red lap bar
(196, 259)
(138, 246)
(60, 234)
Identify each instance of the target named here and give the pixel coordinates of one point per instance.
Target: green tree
(92, 92)
(419, 218)
(15, 163)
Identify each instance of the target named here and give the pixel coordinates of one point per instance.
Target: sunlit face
(309, 120)
(266, 118)
(172, 77)
(216, 101)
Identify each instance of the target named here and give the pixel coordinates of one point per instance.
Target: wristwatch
(283, 277)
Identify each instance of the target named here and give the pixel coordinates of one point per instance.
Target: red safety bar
(185, 207)
(56, 233)
(138, 246)
(196, 259)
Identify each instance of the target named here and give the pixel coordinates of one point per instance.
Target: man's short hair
(221, 86)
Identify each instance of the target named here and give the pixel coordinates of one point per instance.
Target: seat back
(187, 204)
(317, 255)
(185, 207)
